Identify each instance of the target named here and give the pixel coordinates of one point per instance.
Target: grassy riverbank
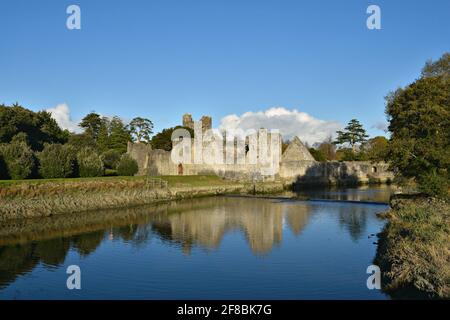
(414, 249)
(40, 198)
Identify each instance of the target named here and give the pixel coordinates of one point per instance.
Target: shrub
(110, 173)
(89, 163)
(57, 161)
(18, 159)
(434, 184)
(317, 154)
(127, 166)
(111, 158)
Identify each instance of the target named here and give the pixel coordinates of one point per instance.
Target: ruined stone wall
(334, 172)
(140, 152)
(160, 164)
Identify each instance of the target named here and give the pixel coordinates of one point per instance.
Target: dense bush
(127, 166)
(40, 127)
(57, 161)
(111, 159)
(434, 183)
(89, 163)
(18, 159)
(317, 154)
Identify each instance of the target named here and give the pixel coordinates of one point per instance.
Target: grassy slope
(172, 180)
(414, 249)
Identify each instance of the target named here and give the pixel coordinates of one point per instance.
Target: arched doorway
(180, 169)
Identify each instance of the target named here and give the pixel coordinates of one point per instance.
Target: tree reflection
(354, 219)
(200, 223)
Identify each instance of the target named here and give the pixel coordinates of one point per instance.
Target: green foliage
(89, 163)
(141, 129)
(434, 183)
(163, 139)
(18, 159)
(91, 124)
(119, 135)
(39, 127)
(419, 118)
(377, 148)
(353, 134)
(317, 154)
(110, 173)
(57, 161)
(345, 154)
(437, 68)
(81, 140)
(111, 158)
(127, 166)
(103, 134)
(103, 143)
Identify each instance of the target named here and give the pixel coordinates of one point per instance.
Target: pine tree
(119, 135)
(353, 134)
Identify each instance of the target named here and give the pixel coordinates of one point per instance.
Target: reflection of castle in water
(187, 224)
(202, 223)
(261, 222)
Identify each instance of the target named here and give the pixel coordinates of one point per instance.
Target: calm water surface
(211, 248)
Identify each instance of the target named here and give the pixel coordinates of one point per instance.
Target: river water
(209, 248)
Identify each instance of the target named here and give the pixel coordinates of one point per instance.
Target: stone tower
(187, 121)
(206, 123)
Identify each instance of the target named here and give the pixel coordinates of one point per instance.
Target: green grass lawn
(172, 180)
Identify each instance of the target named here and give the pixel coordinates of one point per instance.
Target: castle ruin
(296, 164)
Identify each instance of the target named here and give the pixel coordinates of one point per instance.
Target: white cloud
(61, 113)
(381, 125)
(290, 123)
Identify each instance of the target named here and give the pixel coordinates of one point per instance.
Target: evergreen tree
(91, 124)
(141, 129)
(103, 139)
(39, 127)
(353, 134)
(119, 135)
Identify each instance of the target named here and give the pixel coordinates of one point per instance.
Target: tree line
(351, 144)
(32, 145)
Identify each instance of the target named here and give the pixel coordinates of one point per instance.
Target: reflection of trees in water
(136, 234)
(201, 222)
(16, 260)
(88, 242)
(354, 219)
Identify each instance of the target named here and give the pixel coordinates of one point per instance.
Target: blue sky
(160, 59)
